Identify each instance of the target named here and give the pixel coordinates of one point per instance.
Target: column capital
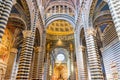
(27, 33)
(14, 2)
(14, 50)
(38, 49)
(91, 31)
(82, 47)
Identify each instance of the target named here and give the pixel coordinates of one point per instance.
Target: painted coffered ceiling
(60, 27)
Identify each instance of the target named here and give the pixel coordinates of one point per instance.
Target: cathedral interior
(59, 39)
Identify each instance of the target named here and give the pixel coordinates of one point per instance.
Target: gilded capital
(14, 50)
(27, 33)
(81, 47)
(37, 49)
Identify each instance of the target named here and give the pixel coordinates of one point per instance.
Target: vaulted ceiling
(60, 27)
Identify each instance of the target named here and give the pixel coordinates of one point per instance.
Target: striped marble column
(25, 57)
(27, 52)
(45, 71)
(82, 62)
(40, 65)
(46, 68)
(77, 54)
(5, 9)
(93, 58)
(80, 59)
(1, 6)
(38, 60)
(35, 63)
(47, 63)
(114, 6)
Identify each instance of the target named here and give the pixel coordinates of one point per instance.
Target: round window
(60, 57)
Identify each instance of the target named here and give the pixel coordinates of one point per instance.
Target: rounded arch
(37, 38)
(25, 5)
(41, 32)
(83, 48)
(93, 8)
(17, 19)
(19, 8)
(101, 14)
(57, 47)
(82, 37)
(79, 34)
(61, 50)
(16, 25)
(67, 18)
(18, 11)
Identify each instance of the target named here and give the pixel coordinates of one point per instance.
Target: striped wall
(114, 6)
(111, 56)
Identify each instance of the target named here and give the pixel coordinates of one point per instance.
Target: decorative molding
(27, 33)
(14, 50)
(58, 17)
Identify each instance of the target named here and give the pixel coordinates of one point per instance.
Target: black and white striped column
(1, 6)
(5, 9)
(27, 53)
(114, 6)
(47, 63)
(35, 63)
(38, 60)
(25, 57)
(93, 58)
(40, 64)
(42, 54)
(46, 67)
(82, 74)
